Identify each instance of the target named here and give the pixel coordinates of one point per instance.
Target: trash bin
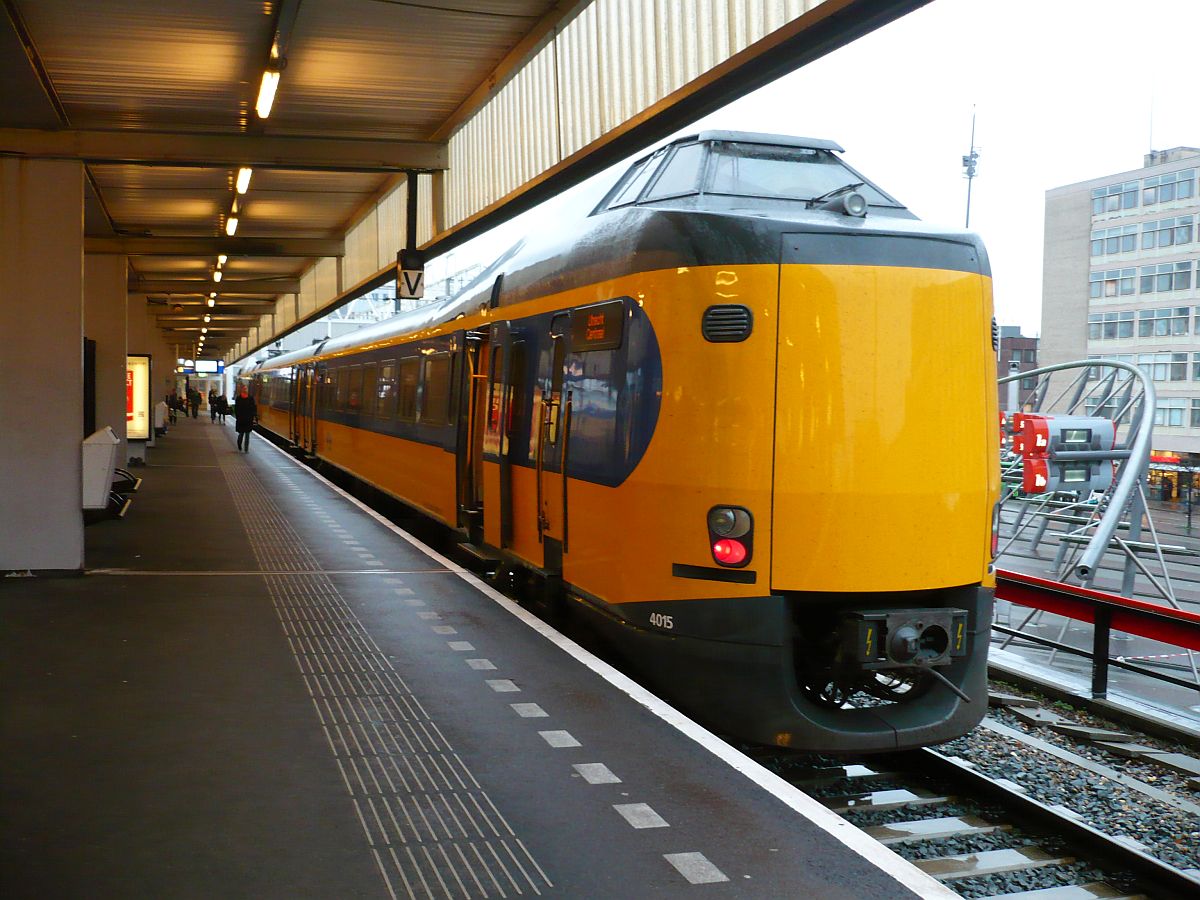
(99, 460)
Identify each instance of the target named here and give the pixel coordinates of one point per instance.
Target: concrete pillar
(41, 365)
(104, 296)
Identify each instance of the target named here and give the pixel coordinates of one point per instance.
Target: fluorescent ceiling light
(266, 93)
(243, 177)
(230, 227)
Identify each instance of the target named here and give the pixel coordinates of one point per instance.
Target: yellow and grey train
(742, 414)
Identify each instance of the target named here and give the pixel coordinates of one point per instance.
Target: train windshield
(783, 173)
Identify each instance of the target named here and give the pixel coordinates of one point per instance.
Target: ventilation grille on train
(726, 323)
(995, 336)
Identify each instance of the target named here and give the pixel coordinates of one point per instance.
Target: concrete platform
(261, 689)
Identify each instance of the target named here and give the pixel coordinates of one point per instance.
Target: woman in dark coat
(245, 414)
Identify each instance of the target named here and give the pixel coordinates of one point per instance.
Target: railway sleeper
(990, 862)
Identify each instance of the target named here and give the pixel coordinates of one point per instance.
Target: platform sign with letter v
(410, 275)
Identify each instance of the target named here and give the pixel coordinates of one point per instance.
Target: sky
(1062, 91)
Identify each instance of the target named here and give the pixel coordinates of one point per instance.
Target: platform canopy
(486, 106)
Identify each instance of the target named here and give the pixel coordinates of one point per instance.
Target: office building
(1120, 282)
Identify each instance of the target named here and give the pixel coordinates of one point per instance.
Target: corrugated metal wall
(585, 82)
(607, 65)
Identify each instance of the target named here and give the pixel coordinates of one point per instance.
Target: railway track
(982, 836)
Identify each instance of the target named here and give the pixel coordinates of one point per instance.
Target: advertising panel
(137, 398)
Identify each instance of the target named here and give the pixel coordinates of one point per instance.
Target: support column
(104, 297)
(41, 365)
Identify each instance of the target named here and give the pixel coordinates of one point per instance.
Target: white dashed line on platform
(444, 629)
(559, 739)
(596, 773)
(460, 646)
(503, 686)
(529, 710)
(480, 664)
(696, 868)
(640, 815)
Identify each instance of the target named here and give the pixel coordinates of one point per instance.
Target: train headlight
(855, 204)
(728, 521)
(730, 535)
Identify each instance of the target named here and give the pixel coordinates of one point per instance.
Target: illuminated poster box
(137, 397)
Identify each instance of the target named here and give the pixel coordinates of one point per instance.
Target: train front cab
(871, 484)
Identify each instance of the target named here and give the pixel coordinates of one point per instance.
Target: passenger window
(407, 396)
(354, 391)
(491, 435)
(370, 381)
(386, 389)
(341, 384)
(435, 396)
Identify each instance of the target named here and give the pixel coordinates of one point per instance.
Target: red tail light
(729, 552)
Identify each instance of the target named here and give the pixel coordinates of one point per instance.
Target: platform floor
(261, 690)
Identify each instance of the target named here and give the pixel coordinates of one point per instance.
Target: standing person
(245, 414)
(195, 398)
(212, 404)
(222, 408)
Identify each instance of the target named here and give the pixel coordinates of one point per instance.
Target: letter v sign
(412, 284)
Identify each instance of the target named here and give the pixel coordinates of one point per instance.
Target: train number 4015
(658, 620)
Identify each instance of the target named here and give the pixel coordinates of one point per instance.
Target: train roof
(754, 137)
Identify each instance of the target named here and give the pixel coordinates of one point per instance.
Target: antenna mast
(968, 162)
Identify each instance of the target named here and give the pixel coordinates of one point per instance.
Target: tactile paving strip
(431, 827)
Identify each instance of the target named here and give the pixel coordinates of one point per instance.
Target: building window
(1122, 239)
(1166, 277)
(1164, 322)
(1110, 326)
(1170, 412)
(1113, 283)
(1164, 188)
(1196, 367)
(1016, 356)
(1030, 355)
(1164, 366)
(1028, 384)
(1196, 413)
(1167, 233)
(1114, 198)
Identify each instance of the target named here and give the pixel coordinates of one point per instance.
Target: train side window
(341, 381)
(354, 391)
(435, 394)
(406, 409)
(335, 390)
(369, 387)
(637, 180)
(385, 390)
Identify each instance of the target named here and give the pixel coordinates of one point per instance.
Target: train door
(553, 413)
(296, 404)
(472, 410)
(503, 390)
(307, 419)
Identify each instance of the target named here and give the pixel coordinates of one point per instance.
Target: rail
(1107, 613)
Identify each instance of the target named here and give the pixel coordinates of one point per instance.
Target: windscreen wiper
(836, 192)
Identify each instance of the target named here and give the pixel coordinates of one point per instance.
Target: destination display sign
(598, 327)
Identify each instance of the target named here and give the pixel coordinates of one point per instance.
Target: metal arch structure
(1089, 527)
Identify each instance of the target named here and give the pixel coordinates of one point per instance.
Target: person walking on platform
(245, 414)
(222, 408)
(195, 401)
(212, 404)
